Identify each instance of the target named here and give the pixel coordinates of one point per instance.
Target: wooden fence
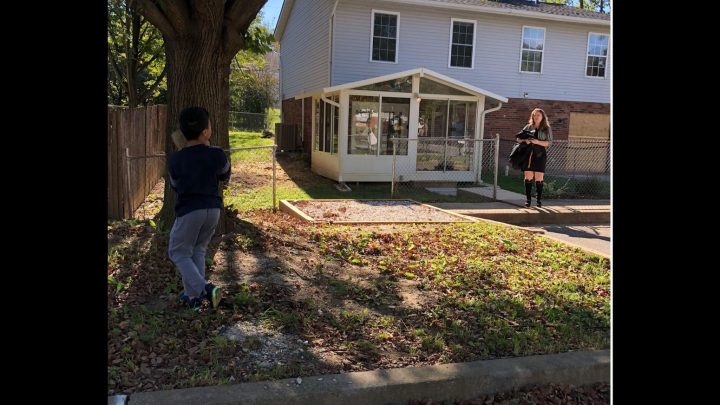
(141, 132)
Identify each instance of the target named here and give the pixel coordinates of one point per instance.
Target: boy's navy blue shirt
(195, 172)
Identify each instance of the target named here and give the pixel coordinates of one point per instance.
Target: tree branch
(152, 88)
(238, 11)
(178, 14)
(155, 16)
(116, 68)
(146, 63)
(238, 17)
(147, 44)
(114, 38)
(206, 9)
(144, 24)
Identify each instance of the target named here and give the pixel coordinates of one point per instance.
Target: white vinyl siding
(425, 39)
(304, 56)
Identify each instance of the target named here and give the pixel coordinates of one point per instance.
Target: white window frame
(397, 35)
(542, 53)
(587, 54)
(472, 61)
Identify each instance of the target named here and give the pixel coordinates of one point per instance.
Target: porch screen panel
(461, 132)
(394, 123)
(433, 122)
(363, 131)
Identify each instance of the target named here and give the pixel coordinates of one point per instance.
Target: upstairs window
(533, 43)
(462, 43)
(384, 36)
(597, 51)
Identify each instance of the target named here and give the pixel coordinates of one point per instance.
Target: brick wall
(291, 114)
(513, 115)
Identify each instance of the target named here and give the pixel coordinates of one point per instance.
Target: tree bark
(201, 38)
(197, 76)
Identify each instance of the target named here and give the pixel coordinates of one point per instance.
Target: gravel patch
(373, 211)
(265, 347)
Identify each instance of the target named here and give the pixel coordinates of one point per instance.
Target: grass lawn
(251, 186)
(273, 117)
(557, 186)
(319, 299)
(361, 297)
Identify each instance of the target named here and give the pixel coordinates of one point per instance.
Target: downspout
(331, 24)
(482, 135)
(482, 118)
(280, 84)
(302, 121)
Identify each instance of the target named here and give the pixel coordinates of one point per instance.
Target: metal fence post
(497, 157)
(274, 149)
(392, 184)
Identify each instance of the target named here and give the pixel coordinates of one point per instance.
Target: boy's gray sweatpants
(189, 239)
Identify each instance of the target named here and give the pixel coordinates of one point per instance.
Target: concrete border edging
(454, 381)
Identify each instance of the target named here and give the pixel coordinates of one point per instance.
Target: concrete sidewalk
(581, 223)
(594, 238)
(447, 382)
(553, 212)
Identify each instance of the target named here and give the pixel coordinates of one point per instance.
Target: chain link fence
(576, 168)
(148, 205)
(445, 167)
(245, 121)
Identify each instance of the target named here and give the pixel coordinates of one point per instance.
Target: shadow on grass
(288, 277)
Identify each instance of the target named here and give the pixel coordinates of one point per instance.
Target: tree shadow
(579, 231)
(352, 317)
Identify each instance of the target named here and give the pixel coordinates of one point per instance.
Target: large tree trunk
(201, 37)
(197, 76)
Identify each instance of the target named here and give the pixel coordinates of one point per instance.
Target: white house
(357, 73)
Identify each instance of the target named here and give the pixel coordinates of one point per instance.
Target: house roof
(282, 19)
(520, 8)
(423, 73)
(539, 7)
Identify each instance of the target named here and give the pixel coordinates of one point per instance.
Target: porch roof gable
(423, 72)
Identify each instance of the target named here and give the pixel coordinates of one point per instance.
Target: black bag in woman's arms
(519, 155)
(525, 134)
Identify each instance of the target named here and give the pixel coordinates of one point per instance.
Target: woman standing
(534, 167)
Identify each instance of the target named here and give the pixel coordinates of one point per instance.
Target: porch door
(446, 129)
(394, 123)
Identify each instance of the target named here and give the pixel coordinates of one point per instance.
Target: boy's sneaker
(213, 294)
(193, 303)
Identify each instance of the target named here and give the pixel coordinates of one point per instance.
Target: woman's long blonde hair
(544, 124)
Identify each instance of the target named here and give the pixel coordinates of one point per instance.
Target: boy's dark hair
(193, 120)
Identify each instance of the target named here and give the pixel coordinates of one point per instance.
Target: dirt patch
(265, 347)
(374, 211)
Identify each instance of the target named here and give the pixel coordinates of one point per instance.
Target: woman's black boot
(528, 192)
(539, 188)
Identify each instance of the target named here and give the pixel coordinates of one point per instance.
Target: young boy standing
(195, 172)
